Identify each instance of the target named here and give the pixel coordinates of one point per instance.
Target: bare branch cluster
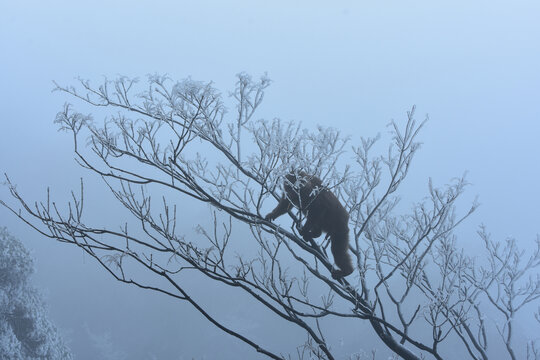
(415, 287)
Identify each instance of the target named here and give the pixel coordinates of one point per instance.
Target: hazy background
(473, 66)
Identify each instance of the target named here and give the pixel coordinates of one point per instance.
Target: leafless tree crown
(413, 285)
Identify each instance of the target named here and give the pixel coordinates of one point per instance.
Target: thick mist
(472, 66)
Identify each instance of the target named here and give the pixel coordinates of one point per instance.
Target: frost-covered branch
(165, 144)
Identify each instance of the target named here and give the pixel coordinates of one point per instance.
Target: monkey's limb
(282, 207)
(311, 229)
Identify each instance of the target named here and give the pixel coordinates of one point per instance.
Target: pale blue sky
(473, 66)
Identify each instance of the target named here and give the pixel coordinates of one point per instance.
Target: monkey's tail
(340, 251)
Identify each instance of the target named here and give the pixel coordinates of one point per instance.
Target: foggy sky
(355, 65)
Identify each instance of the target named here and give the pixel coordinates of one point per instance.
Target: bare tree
(413, 285)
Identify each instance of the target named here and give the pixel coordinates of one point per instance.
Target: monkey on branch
(324, 213)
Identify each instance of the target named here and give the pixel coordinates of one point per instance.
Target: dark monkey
(323, 211)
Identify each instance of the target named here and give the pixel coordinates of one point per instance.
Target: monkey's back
(319, 203)
(329, 212)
